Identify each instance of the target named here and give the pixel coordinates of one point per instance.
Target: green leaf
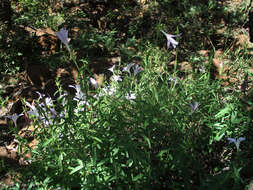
(96, 139)
(154, 90)
(79, 167)
(219, 126)
(160, 154)
(147, 140)
(47, 142)
(60, 162)
(220, 134)
(130, 162)
(136, 178)
(235, 119)
(115, 151)
(224, 111)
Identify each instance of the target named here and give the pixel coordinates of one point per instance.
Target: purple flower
(170, 39)
(63, 36)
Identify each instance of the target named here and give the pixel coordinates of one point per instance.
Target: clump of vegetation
(156, 97)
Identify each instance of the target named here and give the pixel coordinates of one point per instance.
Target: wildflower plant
(170, 39)
(63, 37)
(134, 131)
(44, 112)
(118, 130)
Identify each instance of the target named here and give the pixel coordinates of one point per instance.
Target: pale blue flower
(63, 36)
(173, 79)
(44, 112)
(109, 90)
(34, 110)
(63, 98)
(93, 82)
(112, 69)
(128, 67)
(170, 39)
(41, 95)
(194, 106)
(116, 78)
(202, 69)
(137, 69)
(236, 141)
(130, 96)
(79, 94)
(48, 102)
(14, 117)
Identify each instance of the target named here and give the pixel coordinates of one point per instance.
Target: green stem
(72, 57)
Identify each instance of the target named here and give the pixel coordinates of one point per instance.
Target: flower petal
(111, 68)
(128, 67)
(116, 78)
(137, 69)
(93, 82)
(194, 106)
(14, 117)
(130, 96)
(231, 140)
(170, 39)
(63, 36)
(240, 139)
